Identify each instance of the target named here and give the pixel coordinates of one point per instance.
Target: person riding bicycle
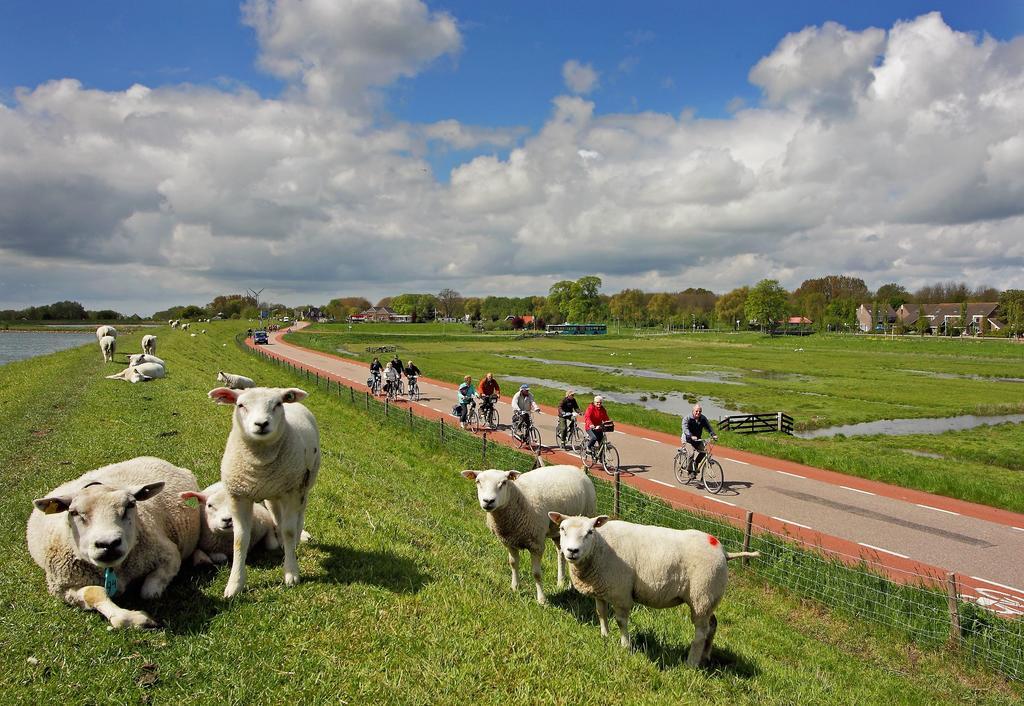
(566, 408)
(375, 370)
(397, 363)
(391, 377)
(411, 371)
(522, 405)
(594, 419)
(693, 427)
(465, 400)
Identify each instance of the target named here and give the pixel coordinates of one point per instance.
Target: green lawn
(405, 595)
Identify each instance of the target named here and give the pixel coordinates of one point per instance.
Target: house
(382, 314)
(798, 321)
(943, 318)
(518, 322)
(887, 316)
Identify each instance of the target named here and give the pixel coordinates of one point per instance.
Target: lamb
(105, 331)
(517, 506)
(138, 358)
(235, 382)
(149, 344)
(108, 346)
(95, 535)
(142, 372)
(626, 563)
(272, 454)
(216, 531)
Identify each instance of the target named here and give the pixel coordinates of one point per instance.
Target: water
(19, 345)
(962, 376)
(675, 403)
(905, 427)
(627, 369)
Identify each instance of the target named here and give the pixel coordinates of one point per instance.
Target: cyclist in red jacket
(593, 421)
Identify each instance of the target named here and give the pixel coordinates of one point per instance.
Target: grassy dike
(405, 595)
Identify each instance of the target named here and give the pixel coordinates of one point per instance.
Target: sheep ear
(223, 395)
(512, 475)
(145, 492)
(51, 506)
(293, 394)
(189, 494)
(601, 520)
(471, 475)
(556, 517)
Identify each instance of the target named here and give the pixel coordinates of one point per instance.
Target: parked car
(260, 337)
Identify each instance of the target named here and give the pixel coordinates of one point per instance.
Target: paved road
(891, 526)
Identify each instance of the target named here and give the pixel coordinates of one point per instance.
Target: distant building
(866, 315)
(942, 318)
(799, 321)
(524, 321)
(381, 314)
(577, 329)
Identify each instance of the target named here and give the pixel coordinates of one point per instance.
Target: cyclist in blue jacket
(693, 428)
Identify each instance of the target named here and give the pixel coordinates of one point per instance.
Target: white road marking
(1001, 585)
(887, 551)
(786, 473)
(661, 482)
(653, 441)
(719, 500)
(790, 522)
(1019, 529)
(742, 463)
(938, 509)
(856, 490)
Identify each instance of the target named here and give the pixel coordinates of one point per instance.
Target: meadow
(820, 380)
(405, 595)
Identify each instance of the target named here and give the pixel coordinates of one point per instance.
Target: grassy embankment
(819, 380)
(405, 596)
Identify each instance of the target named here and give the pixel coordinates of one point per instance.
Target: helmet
(524, 387)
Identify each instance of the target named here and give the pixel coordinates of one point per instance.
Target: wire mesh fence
(915, 605)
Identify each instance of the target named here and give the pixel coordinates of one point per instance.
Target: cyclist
(411, 370)
(566, 408)
(489, 387)
(522, 405)
(593, 421)
(397, 363)
(376, 368)
(693, 427)
(465, 399)
(391, 377)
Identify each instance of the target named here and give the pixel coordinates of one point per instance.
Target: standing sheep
(100, 532)
(272, 454)
(235, 382)
(216, 532)
(105, 331)
(517, 506)
(108, 346)
(625, 563)
(149, 344)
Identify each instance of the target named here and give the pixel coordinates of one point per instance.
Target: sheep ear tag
(110, 582)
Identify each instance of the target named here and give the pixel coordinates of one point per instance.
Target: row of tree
(60, 311)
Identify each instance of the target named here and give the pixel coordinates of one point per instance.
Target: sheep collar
(110, 582)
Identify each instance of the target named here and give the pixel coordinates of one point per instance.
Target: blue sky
(457, 122)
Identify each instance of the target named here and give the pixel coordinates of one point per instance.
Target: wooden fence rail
(758, 423)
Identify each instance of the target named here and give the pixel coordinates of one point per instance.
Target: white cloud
(579, 78)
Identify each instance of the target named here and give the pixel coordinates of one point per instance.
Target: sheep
(108, 346)
(139, 358)
(105, 331)
(140, 373)
(235, 382)
(217, 527)
(626, 563)
(174, 323)
(149, 344)
(517, 506)
(95, 535)
(184, 327)
(272, 454)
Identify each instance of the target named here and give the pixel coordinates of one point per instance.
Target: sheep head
(259, 411)
(576, 534)
(492, 487)
(215, 507)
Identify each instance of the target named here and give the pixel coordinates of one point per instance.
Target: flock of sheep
(142, 519)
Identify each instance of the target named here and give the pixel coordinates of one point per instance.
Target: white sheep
(149, 344)
(184, 327)
(517, 506)
(235, 382)
(272, 454)
(108, 346)
(174, 323)
(95, 535)
(105, 331)
(216, 532)
(622, 563)
(142, 372)
(139, 358)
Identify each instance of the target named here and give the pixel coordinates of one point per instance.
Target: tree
(343, 307)
(731, 307)
(1011, 302)
(835, 287)
(766, 303)
(472, 308)
(448, 300)
(661, 307)
(627, 305)
(895, 295)
(922, 320)
(578, 301)
(841, 314)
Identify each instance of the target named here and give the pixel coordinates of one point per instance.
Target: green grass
(405, 595)
(833, 380)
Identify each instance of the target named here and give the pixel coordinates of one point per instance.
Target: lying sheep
(235, 382)
(139, 358)
(100, 532)
(517, 506)
(142, 372)
(625, 563)
(216, 531)
(272, 454)
(108, 346)
(105, 331)
(149, 344)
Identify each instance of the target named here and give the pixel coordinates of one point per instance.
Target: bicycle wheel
(491, 418)
(586, 456)
(610, 459)
(473, 420)
(574, 440)
(533, 439)
(679, 467)
(714, 477)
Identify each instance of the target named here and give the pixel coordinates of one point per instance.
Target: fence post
(386, 406)
(410, 420)
(318, 380)
(483, 449)
(746, 535)
(616, 503)
(352, 394)
(780, 421)
(367, 400)
(442, 430)
(954, 610)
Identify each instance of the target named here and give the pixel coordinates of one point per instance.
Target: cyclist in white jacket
(523, 405)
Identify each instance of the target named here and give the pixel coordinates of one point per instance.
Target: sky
(154, 154)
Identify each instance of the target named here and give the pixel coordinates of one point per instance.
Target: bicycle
(399, 387)
(373, 382)
(603, 453)
(488, 411)
(414, 389)
(525, 435)
(392, 391)
(572, 437)
(472, 416)
(709, 472)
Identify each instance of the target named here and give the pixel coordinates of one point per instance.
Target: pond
(19, 345)
(627, 369)
(906, 427)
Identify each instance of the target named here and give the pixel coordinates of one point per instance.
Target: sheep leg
(167, 569)
(702, 631)
(288, 516)
(622, 618)
(535, 559)
(602, 615)
(561, 562)
(706, 655)
(513, 562)
(95, 598)
(241, 518)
